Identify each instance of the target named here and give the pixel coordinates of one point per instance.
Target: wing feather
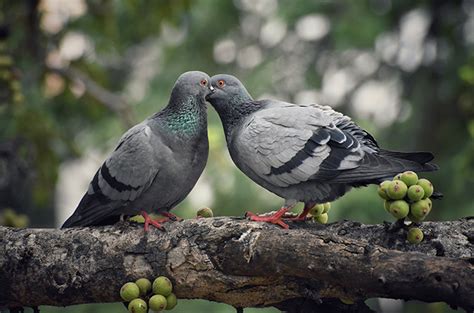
(288, 145)
(122, 178)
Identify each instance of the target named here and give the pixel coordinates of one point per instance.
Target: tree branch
(239, 262)
(110, 100)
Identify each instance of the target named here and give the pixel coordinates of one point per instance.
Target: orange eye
(221, 83)
(203, 82)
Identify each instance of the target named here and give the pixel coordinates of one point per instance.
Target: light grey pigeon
(155, 164)
(307, 153)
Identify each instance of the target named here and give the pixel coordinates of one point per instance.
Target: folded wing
(122, 178)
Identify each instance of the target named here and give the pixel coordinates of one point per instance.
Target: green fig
(9, 217)
(427, 187)
(415, 193)
(382, 189)
(415, 235)
(322, 218)
(137, 219)
(22, 221)
(347, 301)
(137, 306)
(420, 209)
(398, 177)
(129, 291)
(162, 286)
(382, 193)
(415, 219)
(205, 212)
(144, 285)
(386, 205)
(317, 210)
(13, 219)
(397, 190)
(399, 209)
(409, 178)
(430, 203)
(171, 301)
(157, 303)
(327, 206)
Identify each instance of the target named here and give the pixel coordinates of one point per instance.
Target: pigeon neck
(185, 116)
(236, 114)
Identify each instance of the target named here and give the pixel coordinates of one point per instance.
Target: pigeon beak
(212, 89)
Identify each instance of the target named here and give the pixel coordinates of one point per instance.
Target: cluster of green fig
(10, 218)
(407, 196)
(142, 295)
(319, 212)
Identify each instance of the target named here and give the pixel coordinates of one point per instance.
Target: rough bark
(239, 262)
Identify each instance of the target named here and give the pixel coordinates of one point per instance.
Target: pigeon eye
(203, 82)
(221, 83)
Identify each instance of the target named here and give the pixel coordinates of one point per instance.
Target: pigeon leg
(275, 218)
(303, 216)
(155, 223)
(171, 216)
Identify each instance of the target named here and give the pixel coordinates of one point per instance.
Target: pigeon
(155, 164)
(302, 152)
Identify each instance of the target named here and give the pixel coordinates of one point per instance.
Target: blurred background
(76, 74)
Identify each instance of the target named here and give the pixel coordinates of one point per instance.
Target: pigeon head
(228, 91)
(231, 100)
(186, 109)
(193, 84)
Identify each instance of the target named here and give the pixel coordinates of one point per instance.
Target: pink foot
(171, 216)
(155, 223)
(304, 215)
(275, 218)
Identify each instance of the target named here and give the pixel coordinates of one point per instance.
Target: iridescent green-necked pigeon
(155, 164)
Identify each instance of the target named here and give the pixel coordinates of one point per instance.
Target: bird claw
(303, 216)
(299, 218)
(155, 223)
(275, 218)
(172, 216)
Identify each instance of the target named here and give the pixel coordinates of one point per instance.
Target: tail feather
(419, 157)
(378, 167)
(91, 211)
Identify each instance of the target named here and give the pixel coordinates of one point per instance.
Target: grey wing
(345, 124)
(377, 164)
(131, 168)
(289, 145)
(122, 178)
